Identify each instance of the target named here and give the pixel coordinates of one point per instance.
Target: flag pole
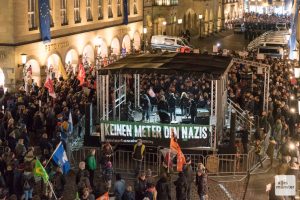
(52, 189)
(52, 155)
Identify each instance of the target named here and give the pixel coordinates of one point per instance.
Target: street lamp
(144, 33)
(179, 21)
(200, 19)
(163, 28)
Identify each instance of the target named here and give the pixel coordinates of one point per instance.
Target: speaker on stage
(202, 120)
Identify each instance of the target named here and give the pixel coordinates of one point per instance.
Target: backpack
(26, 185)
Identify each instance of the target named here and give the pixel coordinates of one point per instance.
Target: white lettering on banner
(154, 131)
(137, 131)
(166, 132)
(184, 132)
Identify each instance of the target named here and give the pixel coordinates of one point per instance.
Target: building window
(119, 8)
(51, 12)
(63, 12)
(77, 18)
(128, 7)
(89, 15)
(110, 13)
(134, 8)
(100, 9)
(32, 15)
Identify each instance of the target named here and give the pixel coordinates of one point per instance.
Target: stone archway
(136, 41)
(53, 64)
(36, 71)
(190, 19)
(115, 46)
(71, 61)
(126, 44)
(2, 80)
(88, 54)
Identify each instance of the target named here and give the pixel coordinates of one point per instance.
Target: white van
(170, 43)
(276, 52)
(281, 26)
(239, 28)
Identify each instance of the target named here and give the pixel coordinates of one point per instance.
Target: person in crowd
(108, 173)
(181, 187)
(163, 188)
(172, 106)
(193, 110)
(87, 195)
(82, 172)
(146, 105)
(58, 181)
(149, 178)
(128, 194)
(28, 182)
(140, 186)
(138, 155)
(271, 149)
(184, 103)
(150, 192)
(188, 173)
(119, 187)
(201, 183)
(91, 165)
(258, 151)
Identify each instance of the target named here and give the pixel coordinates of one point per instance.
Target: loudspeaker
(202, 120)
(186, 120)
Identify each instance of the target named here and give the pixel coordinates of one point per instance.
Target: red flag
(49, 85)
(81, 74)
(105, 196)
(175, 146)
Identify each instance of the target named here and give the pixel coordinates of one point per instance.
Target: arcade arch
(126, 43)
(88, 54)
(53, 64)
(72, 60)
(136, 41)
(115, 46)
(36, 71)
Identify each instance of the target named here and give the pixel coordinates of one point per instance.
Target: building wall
(16, 38)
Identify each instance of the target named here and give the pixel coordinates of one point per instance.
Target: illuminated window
(119, 8)
(63, 12)
(134, 7)
(100, 9)
(89, 15)
(128, 7)
(32, 25)
(77, 18)
(110, 13)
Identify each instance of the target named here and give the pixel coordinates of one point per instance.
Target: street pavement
(227, 40)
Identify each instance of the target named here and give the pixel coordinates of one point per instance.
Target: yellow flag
(62, 70)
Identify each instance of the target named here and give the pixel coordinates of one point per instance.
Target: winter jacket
(181, 187)
(119, 189)
(91, 162)
(163, 189)
(188, 173)
(59, 182)
(128, 196)
(140, 189)
(201, 183)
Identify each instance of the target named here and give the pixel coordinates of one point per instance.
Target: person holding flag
(81, 74)
(49, 85)
(40, 171)
(175, 147)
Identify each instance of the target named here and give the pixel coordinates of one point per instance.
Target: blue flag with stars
(61, 159)
(44, 12)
